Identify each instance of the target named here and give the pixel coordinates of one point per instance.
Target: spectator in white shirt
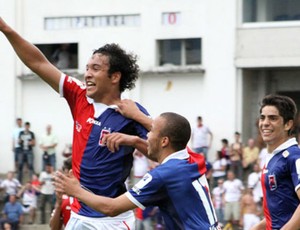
(11, 185)
(201, 138)
(233, 188)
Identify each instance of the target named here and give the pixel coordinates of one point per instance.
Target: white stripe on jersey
(200, 185)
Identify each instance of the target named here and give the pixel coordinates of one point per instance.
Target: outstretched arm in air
(31, 56)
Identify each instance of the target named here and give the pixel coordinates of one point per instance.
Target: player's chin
(90, 94)
(267, 139)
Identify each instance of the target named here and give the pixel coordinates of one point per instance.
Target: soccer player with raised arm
(93, 103)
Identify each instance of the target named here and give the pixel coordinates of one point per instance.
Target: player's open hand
(66, 184)
(128, 108)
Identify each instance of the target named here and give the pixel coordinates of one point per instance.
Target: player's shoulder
(291, 152)
(142, 108)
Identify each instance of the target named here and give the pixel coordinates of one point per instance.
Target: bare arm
(21, 191)
(108, 206)
(260, 226)
(56, 222)
(129, 109)
(113, 142)
(31, 56)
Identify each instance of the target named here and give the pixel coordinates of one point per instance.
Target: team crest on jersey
(285, 154)
(103, 132)
(272, 182)
(142, 183)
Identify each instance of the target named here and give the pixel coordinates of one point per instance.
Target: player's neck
(164, 154)
(271, 146)
(109, 99)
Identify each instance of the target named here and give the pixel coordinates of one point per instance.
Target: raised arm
(31, 56)
(108, 206)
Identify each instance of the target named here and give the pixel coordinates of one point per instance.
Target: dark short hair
(285, 105)
(225, 141)
(27, 123)
(120, 61)
(177, 129)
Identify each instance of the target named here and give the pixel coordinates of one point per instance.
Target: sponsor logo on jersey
(142, 183)
(103, 132)
(272, 182)
(78, 126)
(93, 121)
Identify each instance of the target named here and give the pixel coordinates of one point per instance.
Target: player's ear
(165, 141)
(288, 125)
(115, 77)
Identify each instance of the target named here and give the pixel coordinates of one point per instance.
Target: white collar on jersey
(181, 155)
(285, 145)
(100, 107)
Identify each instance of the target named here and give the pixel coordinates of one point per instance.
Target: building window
(180, 51)
(63, 55)
(270, 10)
(62, 23)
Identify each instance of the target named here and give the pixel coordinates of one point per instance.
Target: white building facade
(214, 58)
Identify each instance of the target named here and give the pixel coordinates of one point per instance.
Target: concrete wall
(268, 46)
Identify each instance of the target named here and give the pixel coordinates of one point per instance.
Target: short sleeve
(148, 191)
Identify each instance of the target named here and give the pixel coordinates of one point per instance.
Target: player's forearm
(55, 221)
(28, 53)
(143, 119)
(99, 203)
(140, 144)
(31, 56)
(260, 226)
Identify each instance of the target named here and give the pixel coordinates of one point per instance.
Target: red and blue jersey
(179, 188)
(98, 170)
(280, 180)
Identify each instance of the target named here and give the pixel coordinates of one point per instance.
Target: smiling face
(272, 128)
(97, 79)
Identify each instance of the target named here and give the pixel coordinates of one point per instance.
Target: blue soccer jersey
(97, 169)
(280, 180)
(179, 188)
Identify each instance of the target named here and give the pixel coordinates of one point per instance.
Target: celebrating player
(281, 173)
(108, 73)
(178, 185)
